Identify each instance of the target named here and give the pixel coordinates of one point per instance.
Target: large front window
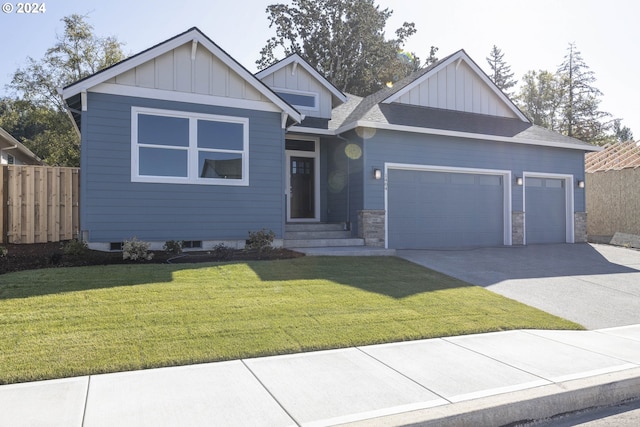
(183, 148)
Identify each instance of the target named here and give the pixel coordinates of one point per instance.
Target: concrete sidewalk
(485, 379)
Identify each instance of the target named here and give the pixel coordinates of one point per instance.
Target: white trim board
(194, 98)
(506, 189)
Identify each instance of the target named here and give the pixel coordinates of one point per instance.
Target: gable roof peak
(195, 35)
(421, 76)
(338, 96)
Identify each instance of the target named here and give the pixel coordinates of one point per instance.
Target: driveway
(597, 286)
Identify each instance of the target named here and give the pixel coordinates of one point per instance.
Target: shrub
(136, 250)
(74, 247)
(222, 252)
(173, 246)
(3, 252)
(261, 240)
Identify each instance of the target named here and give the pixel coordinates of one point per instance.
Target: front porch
(328, 239)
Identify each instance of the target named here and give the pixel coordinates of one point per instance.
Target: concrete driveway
(597, 286)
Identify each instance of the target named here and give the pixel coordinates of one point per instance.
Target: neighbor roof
(9, 142)
(614, 157)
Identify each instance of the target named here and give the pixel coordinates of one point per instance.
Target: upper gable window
(297, 98)
(188, 148)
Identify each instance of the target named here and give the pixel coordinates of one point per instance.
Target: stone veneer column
(371, 227)
(517, 228)
(580, 227)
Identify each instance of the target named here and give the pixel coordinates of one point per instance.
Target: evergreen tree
(343, 39)
(580, 116)
(501, 73)
(621, 133)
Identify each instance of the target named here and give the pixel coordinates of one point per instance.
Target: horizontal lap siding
(398, 147)
(114, 208)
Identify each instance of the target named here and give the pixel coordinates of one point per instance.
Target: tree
(540, 98)
(501, 73)
(343, 39)
(580, 115)
(36, 116)
(621, 133)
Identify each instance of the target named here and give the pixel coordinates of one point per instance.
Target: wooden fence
(39, 204)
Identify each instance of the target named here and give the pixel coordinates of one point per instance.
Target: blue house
(180, 142)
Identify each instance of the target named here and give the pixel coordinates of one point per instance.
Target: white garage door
(432, 209)
(545, 210)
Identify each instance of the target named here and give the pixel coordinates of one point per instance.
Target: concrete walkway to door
(597, 286)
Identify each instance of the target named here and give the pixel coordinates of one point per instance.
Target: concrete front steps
(327, 239)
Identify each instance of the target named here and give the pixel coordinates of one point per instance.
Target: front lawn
(76, 321)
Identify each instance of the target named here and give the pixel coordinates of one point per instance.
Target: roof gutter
(458, 134)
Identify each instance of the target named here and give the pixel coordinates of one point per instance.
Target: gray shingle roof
(371, 109)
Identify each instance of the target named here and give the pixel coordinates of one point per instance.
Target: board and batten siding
(115, 209)
(457, 87)
(176, 70)
(301, 80)
(434, 150)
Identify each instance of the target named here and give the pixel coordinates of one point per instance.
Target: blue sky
(531, 34)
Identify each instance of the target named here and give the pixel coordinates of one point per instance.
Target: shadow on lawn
(50, 281)
(389, 276)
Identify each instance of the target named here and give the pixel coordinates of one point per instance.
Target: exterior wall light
(377, 173)
(519, 180)
(580, 183)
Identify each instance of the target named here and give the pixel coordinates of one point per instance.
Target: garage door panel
(429, 209)
(545, 210)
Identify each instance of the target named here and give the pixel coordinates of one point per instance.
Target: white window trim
(506, 195)
(315, 155)
(569, 201)
(315, 96)
(192, 167)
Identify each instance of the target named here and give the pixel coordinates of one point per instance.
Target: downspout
(348, 222)
(69, 114)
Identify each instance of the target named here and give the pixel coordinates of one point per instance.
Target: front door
(302, 191)
(303, 179)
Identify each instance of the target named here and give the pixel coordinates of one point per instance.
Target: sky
(533, 35)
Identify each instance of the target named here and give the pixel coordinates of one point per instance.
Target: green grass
(76, 321)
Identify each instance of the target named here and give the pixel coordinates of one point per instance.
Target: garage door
(442, 210)
(545, 210)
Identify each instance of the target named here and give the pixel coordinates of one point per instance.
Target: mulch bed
(51, 255)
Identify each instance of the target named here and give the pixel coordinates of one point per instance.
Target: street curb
(526, 405)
